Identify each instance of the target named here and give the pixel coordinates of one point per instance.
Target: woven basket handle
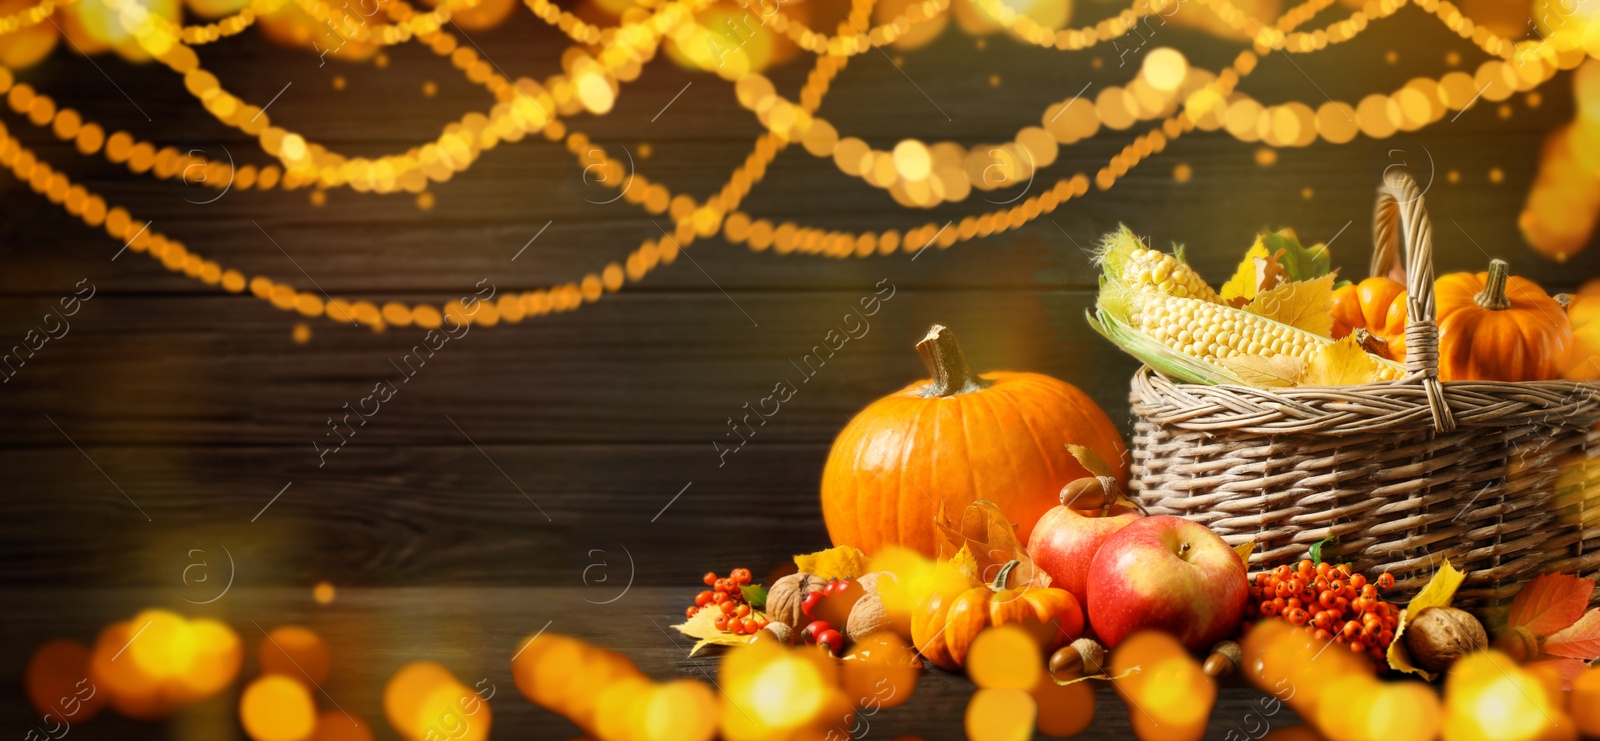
(1401, 230)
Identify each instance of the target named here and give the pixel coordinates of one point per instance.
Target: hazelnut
(1437, 636)
(779, 632)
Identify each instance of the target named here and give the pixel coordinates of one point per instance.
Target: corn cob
(1212, 332)
(1124, 257)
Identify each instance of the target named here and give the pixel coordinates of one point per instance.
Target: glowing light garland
(625, 50)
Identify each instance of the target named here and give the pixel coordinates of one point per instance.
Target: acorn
(1225, 659)
(1519, 643)
(1090, 492)
(1082, 657)
(1437, 636)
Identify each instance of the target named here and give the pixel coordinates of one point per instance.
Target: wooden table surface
(475, 631)
(173, 427)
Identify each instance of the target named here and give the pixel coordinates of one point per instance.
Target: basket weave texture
(1500, 478)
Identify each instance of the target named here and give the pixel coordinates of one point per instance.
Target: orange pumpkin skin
(1584, 362)
(927, 630)
(1052, 615)
(1498, 327)
(1004, 438)
(1378, 305)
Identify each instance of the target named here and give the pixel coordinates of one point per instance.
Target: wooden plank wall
(519, 449)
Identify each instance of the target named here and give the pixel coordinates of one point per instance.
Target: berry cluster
(1337, 604)
(726, 596)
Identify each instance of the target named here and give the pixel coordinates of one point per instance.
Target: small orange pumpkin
(947, 626)
(1494, 326)
(940, 445)
(1377, 305)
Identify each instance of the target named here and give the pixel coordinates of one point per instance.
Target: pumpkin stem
(1565, 299)
(947, 364)
(1000, 579)
(1493, 296)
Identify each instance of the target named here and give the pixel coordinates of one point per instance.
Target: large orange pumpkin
(1377, 305)
(1583, 310)
(1498, 327)
(950, 441)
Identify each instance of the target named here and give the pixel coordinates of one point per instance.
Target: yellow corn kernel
(1166, 273)
(1212, 331)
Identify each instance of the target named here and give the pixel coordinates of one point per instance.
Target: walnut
(1437, 636)
(786, 594)
(867, 616)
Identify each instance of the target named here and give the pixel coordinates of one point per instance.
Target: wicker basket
(1497, 477)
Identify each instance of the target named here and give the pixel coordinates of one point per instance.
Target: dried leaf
(839, 562)
(1341, 363)
(1580, 640)
(1303, 304)
(1262, 372)
(1241, 288)
(1549, 603)
(1566, 669)
(1269, 273)
(1438, 593)
(1244, 550)
(1090, 460)
(991, 541)
(704, 628)
(1299, 263)
(965, 565)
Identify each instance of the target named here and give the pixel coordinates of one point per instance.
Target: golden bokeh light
(1487, 696)
(1165, 68)
(1000, 715)
(880, 670)
(334, 725)
(680, 710)
(1064, 710)
(1005, 657)
(295, 652)
(56, 681)
(1174, 693)
(276, 708)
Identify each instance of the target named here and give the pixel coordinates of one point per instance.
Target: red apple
(1168, 574)
(1065, 540)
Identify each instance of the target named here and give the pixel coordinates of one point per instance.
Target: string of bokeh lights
(916, 174)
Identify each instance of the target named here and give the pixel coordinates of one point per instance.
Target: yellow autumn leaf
(1260, 371)
(1302, 304)
(965, 564)
(1438, 593)
(839, 562)
(1090, 460)
(1244, 550)
(1241, 288)
(1341, 363)
(703, 627)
